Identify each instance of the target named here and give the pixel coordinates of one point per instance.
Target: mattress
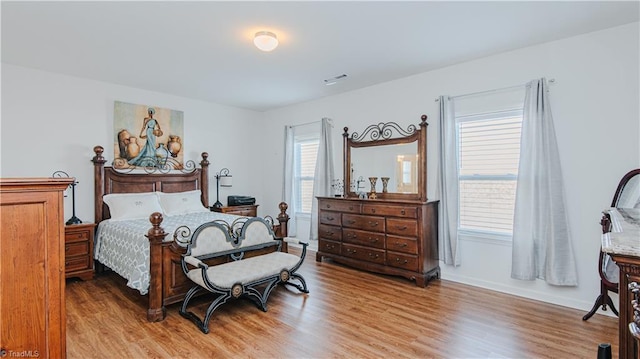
(122, 246)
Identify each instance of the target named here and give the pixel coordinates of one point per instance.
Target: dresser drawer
(332, 218)
(365, 238)
(404, 261)
(394, 211)
(339, 205)
(328, 246)
(74, 249)
(329, 232)
(363, 253)
(403, 227)
(76, 263)
(368, 223)
(402, 244)
(76, 235)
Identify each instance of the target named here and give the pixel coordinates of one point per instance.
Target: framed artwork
(147, 136)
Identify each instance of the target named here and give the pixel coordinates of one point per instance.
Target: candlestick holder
(372, 194)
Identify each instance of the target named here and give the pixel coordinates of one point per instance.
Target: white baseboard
(529, 294)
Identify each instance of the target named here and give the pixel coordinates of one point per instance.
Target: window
(489, 150)
(305, 154)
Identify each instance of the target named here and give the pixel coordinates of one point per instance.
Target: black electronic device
(240, 200)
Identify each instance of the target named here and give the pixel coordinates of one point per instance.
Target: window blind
(308, 152)
(489, 149)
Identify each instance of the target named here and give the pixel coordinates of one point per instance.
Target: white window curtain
(288, 195)
(324, 174)
(541, 239)
(448, 184)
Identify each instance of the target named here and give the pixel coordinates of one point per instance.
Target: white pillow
(181, 202)
(132, 205)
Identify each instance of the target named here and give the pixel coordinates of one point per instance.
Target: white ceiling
(203, 50)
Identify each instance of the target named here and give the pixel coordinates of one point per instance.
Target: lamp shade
(226, 181)
(265, 40)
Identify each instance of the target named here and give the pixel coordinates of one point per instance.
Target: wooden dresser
(383, 236)
(78, 250)
(32, 305)
(246, 210)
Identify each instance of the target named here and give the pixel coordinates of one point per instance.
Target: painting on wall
(147, 136)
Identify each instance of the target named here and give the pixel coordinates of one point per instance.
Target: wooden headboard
(110, 180)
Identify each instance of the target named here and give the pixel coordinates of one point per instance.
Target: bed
(163, 281)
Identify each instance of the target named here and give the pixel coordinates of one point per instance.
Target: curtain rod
(551, 81)
(311, 123)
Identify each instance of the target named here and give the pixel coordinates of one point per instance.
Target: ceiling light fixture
(265, 40)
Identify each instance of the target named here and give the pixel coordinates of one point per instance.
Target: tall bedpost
(156, 235)
(98, 173)
(204, 186)
(283, 219)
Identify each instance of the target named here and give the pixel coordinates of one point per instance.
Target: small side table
(246, 210)
(78, 251)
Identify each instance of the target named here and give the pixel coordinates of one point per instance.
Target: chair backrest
(221, 237)
(256, 231)
(209, 238)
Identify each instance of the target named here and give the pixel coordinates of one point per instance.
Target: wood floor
(348, 314)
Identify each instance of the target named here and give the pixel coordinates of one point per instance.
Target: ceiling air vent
(335, 79)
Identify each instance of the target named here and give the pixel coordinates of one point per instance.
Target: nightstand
(78, 250)
(246, 210)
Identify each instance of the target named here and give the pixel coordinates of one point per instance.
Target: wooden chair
(606, 267)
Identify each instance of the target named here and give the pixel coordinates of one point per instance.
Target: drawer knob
(350, 207)
(375, 256)
(373, 240)
(373, 210)
(330, 218)
(373, 224)
(351, 221)
(352, 235)
(66, 248)
(351, 251)
(402, 228)
(328, 206)
(398, 261)
(402, 211)
(401, 244)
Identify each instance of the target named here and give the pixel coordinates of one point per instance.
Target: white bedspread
(123, 247)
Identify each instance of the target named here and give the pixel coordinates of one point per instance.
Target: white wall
(595, 103)
(52, 122)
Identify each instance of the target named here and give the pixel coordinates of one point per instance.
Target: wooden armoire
(32, 280)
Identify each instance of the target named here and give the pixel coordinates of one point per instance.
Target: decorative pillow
(181, 202)
(132, 205)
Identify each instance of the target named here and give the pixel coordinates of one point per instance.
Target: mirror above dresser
(390, 152)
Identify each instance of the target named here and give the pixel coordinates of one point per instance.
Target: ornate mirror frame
(622, 185)
(383, 134)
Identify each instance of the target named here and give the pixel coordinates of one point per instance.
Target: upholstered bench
(253, 277)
